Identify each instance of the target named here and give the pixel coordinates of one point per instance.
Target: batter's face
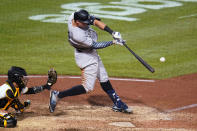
(81, 25)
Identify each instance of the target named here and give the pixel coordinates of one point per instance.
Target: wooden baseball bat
(140, 59)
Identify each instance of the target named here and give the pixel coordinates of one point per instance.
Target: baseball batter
(11, 90)
(84, 39)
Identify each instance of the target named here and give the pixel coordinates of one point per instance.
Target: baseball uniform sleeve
(100, 45)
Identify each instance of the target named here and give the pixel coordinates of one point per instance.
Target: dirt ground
(161, 105)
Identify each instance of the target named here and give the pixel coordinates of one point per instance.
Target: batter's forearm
(102, 26)
(99, 24)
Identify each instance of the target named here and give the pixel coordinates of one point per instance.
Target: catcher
(11, 90)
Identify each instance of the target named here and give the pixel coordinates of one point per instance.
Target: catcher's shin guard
(8, 121)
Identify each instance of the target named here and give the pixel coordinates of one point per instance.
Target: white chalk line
(187, 16)
(181, 108)
(78, 77)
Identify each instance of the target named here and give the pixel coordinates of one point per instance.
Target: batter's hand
(119, 41)
(116, 35)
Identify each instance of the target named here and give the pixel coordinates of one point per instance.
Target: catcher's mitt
(52, 77)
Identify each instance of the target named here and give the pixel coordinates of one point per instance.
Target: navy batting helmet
(16, 74)
(82, 16)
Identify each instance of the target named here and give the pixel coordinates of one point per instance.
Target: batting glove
(119, 41)
(116, 35)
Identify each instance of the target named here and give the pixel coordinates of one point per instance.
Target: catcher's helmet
(82, 16)
(16, 74)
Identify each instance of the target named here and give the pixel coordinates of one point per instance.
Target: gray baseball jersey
(86, 56)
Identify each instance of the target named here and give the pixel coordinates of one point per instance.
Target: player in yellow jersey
(15, 86)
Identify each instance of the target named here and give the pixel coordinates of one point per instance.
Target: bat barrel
(140, 59)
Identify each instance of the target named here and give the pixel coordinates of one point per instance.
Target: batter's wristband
(108, 29)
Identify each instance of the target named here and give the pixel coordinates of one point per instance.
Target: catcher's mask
(82, 16)
(18, 75)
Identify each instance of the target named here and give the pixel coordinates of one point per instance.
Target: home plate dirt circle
(91, 118)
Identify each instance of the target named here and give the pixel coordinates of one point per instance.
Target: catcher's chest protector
(4, 102)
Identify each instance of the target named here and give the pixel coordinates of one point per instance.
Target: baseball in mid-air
(162, 59)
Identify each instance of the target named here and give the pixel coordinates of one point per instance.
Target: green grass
(37, 46)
